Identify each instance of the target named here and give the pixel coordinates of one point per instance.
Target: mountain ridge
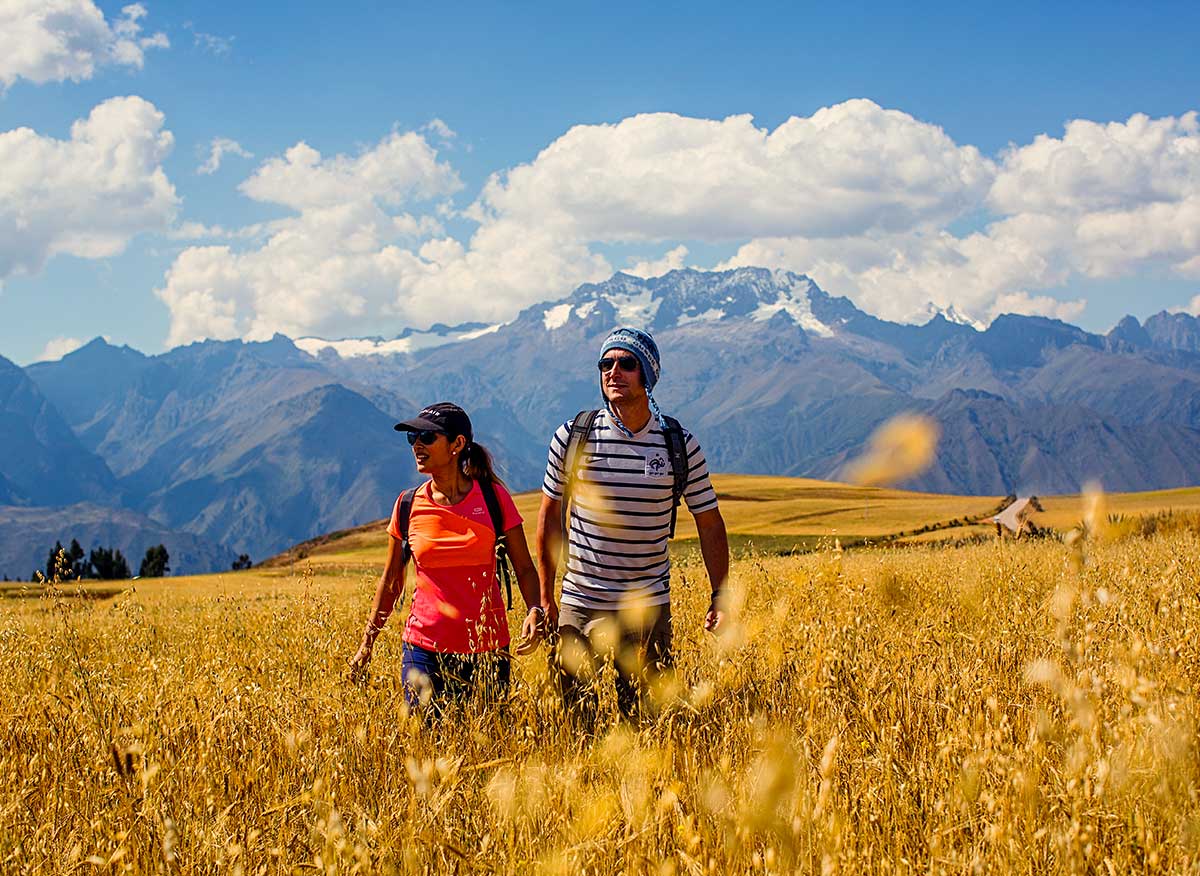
(257, 445)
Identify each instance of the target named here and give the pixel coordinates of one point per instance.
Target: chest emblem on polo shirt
(656, 464)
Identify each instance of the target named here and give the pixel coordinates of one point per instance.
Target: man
(616, 587)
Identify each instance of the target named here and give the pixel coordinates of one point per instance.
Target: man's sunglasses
(626, 363)
(426, 437)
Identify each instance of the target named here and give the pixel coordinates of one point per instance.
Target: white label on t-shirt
(656, 464)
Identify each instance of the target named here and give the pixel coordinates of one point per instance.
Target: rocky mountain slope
(250, 446)
(42, 462)
(27, 534)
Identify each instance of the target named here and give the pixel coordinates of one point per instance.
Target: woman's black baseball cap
(445, 417)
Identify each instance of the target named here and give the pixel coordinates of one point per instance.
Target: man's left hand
(713, 620)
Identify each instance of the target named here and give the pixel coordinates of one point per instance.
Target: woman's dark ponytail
(476, 463)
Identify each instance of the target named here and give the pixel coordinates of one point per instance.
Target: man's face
(618, 384)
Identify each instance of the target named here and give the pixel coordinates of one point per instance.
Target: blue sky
(894, 157)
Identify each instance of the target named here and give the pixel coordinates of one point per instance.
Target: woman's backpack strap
(581, 428)
(677, 453)
(488, 488)
(402, 518)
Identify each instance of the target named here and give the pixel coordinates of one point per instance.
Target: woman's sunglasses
(626, 363)
(426, 437)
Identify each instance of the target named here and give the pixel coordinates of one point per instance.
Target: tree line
(104, 563)
(109, 564)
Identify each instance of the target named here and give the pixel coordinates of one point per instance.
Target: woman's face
(437, 454)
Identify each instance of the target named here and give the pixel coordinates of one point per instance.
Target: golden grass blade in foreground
(901, 448)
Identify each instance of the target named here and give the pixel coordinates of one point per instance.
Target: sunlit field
(996, 707)
(771, 515)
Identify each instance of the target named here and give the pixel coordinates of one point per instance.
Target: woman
(456, 638)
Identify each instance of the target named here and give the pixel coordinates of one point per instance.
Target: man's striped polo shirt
(621, 512)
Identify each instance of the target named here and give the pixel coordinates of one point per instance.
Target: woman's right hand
(533, 630)
(358, 663)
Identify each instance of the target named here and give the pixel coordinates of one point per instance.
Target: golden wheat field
(999, 707)
(767, 506)
(775, 514)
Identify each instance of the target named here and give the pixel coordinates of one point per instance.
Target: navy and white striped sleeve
(699, 493)
(556, 462)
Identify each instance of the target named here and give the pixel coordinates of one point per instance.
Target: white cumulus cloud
(88, 195)
(671, 261)
(439, 129)
(1100, 202)
(1095, 167)
(1108, 199)
(217, 150)
(1192, 307)
(344, 261)
(58, 347)
(898, 276)
(862, 198)
(854, 168)
(846, 169)
(56, 40)
(400, 167)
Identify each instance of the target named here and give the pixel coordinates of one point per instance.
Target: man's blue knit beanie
(641, 345)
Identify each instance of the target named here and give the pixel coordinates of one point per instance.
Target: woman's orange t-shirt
(457, 606)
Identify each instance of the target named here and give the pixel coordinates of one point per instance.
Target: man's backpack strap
(406, 503)
(677, 453)
(581, 428)
(488, 488)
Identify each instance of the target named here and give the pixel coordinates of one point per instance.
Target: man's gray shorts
(637, 643)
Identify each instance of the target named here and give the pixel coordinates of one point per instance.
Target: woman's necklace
(453, 498)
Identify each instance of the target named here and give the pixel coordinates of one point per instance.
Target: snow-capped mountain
(676, 299)
(683, 298)
(951, 314)
(776, 375)
(408, 341)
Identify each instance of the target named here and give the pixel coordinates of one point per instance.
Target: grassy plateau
(964, 706)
